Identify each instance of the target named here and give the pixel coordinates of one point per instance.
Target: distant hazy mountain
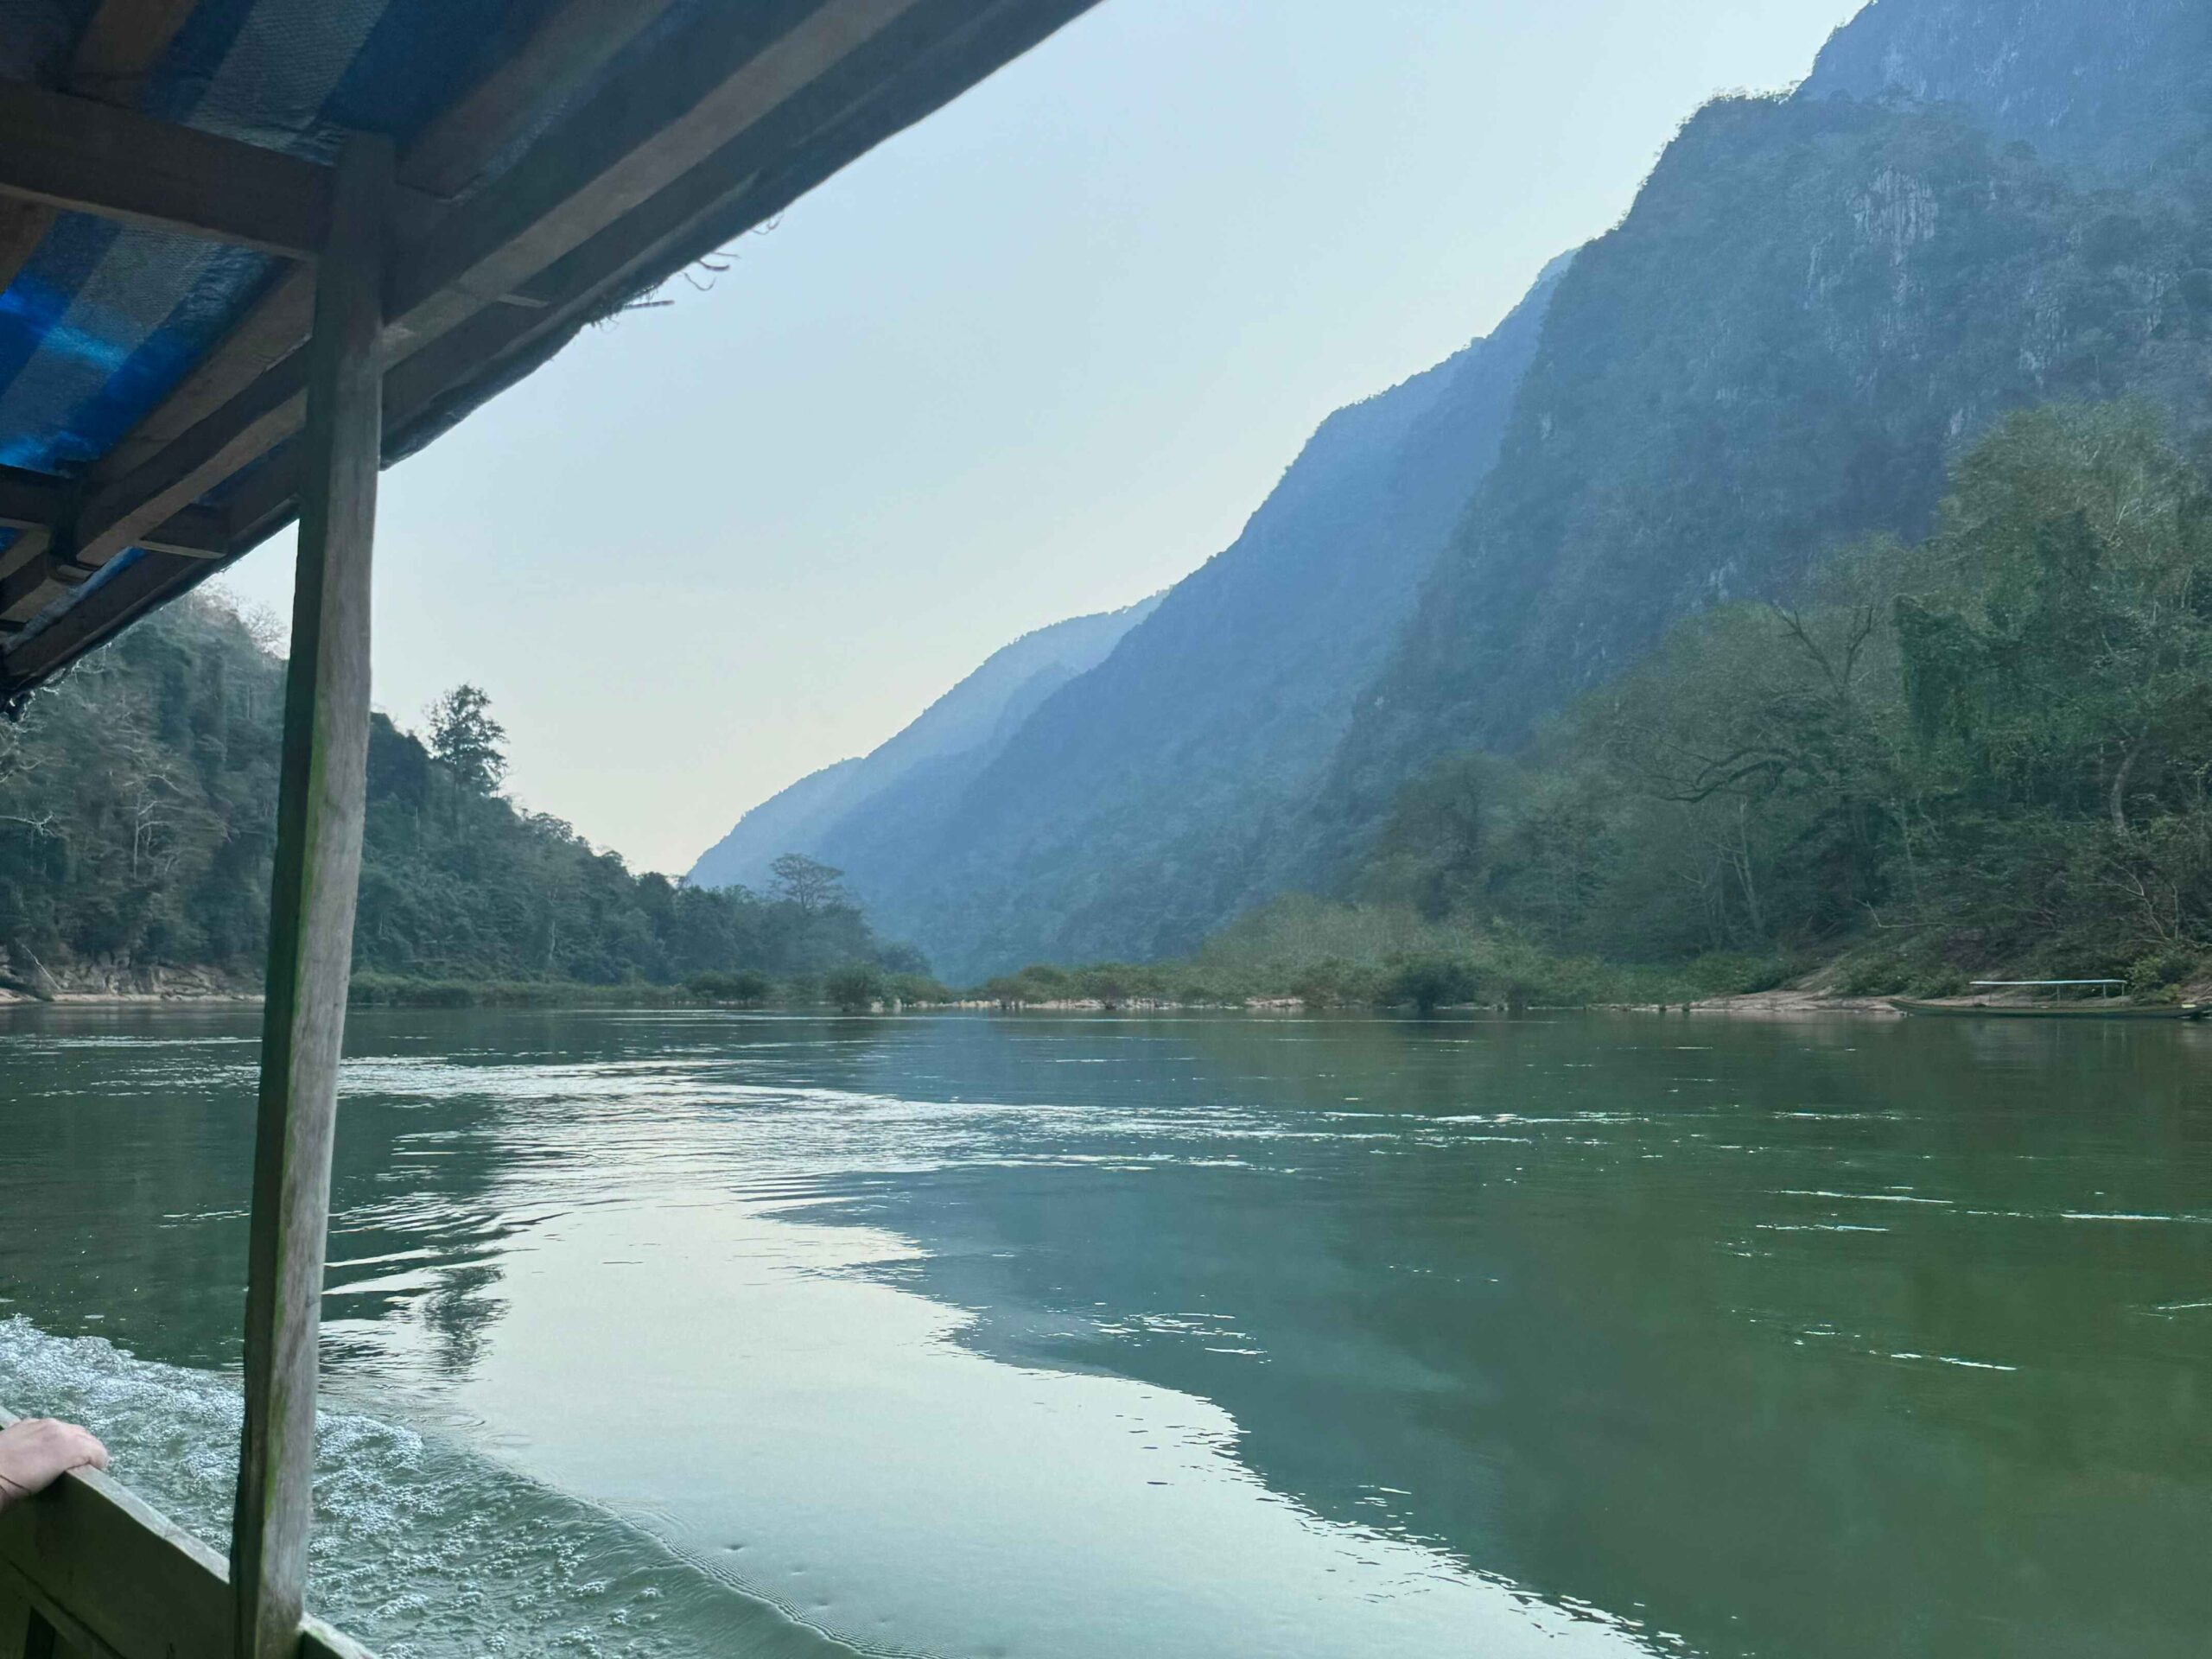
(1143, 802)
(789, 821)
(957, 733)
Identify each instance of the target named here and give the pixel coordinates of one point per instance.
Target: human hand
(35, 1452)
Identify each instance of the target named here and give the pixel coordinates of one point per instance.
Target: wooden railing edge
(116, 1579)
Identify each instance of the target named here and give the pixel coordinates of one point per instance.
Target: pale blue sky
(1039, 356)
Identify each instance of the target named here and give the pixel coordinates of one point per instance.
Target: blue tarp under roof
(105, 319)
(102, 320)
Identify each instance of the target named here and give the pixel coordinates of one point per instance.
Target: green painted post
(320, 805)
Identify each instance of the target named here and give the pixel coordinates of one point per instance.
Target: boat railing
(89, 1570)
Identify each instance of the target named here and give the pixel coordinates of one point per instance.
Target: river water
(659, 1334)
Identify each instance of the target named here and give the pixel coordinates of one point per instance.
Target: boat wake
(423, 1549)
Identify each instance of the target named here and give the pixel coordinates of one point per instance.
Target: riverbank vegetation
(854, 989)
(1327, 955)
(1991, 749)
(137, 812)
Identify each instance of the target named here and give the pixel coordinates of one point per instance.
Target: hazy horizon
(1037, 357)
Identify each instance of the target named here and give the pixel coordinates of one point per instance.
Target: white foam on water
(2127, 1215)
(1859, 1198)
(423, 1549)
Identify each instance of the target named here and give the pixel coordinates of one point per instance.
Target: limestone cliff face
(1814, 304)
(2117, 86)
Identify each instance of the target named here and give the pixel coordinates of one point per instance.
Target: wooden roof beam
(607, 157)
(569, 47)
(29, 549)
(152, 583)
(120, 513)
(714, 198)
(119, 47)
(574, 43)
(638, 135)
(33, 574)
(36, 501)
(34, 568)
(76, 153)
(33, 586)
(721, 196)
(30, 501)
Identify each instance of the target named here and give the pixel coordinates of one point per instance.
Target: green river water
(663, 1334)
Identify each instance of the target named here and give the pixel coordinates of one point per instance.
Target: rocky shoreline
(39, 982)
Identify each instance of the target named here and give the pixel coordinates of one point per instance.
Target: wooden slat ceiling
(732, 114)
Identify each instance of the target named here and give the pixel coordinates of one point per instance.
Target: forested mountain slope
(1142, 803)
(1817, 304)
(834, 811)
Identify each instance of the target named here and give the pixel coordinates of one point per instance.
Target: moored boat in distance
(2101, 1008)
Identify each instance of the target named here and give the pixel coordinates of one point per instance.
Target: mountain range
(1817, 301)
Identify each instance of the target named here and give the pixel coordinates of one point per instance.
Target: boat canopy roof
(165, 188)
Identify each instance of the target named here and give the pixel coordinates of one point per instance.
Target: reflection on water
(972, 1336)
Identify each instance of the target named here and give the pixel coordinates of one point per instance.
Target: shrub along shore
(1429, 972)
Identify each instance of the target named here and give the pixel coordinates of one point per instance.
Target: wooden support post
(319, 804)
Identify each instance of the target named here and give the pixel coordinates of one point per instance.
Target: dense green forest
(137, 810)
(1990, 748)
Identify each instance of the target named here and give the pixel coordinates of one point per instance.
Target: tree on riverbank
(465, 739)
(1993, 746)
(138, 804)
